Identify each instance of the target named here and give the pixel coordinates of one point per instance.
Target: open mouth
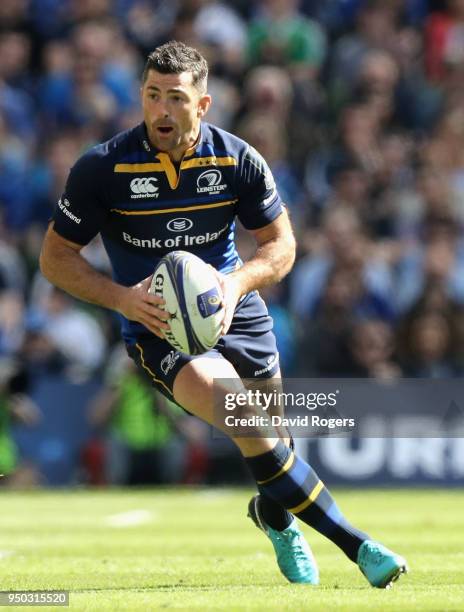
(164, 130)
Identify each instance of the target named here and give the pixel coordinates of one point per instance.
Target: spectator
(344, 246)
(371, 346)
(357, 145)
(94, 89)
(323, 341)
(15, 407)
(285, 328)
(376, 85)
(269, 92)
(148, 23)
(282, 36)
(76, 334)
(375, 28)
(142, 443)
(12, 327)
(444, 38)
(48, 178)
(429, 347)
(439, 260)
(15, 50)
(15, 193)
(219, 26)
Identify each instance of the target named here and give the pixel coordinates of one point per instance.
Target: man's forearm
(63, 265)
(69, 271)
(272, 261)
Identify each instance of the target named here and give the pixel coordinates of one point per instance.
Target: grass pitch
(195, 550)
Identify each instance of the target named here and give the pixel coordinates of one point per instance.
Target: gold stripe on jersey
(198, 162)
(171, 210)
(149, 167)
(168, 167)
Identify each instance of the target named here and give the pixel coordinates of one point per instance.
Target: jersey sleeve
(80, 213)
(259, 202)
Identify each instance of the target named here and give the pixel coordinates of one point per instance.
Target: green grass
(197, 551)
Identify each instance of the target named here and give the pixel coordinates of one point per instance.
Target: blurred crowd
(358, 107)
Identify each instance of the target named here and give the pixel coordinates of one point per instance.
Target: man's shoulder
(224, 142)
(124, 146)
(236, 147)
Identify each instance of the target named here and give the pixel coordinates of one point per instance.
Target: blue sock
(273, 513)
(293, 483)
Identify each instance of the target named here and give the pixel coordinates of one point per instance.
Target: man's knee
(202, 385)
(211, 389)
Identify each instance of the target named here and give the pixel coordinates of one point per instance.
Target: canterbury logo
(209, 182)
(144, 188)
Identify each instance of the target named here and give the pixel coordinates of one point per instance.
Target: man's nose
(162, 110)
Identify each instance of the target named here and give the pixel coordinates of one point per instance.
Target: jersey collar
(171, 169)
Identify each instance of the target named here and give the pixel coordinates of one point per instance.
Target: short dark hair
(175, 57)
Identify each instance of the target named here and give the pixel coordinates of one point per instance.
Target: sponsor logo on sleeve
(63, 204)
(271, 361)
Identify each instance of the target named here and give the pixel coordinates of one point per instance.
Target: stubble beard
(166, 144)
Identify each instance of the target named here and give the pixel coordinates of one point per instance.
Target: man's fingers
(154, 299)
(151, 310)
(154, 325)
(160, 314)
(155, 321)
(154, 317)
(155, 330)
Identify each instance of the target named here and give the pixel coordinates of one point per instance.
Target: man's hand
(136, 304)
(230, 296)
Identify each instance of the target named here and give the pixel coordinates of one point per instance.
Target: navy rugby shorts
(249, 345)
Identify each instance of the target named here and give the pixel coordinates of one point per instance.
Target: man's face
(172, 110)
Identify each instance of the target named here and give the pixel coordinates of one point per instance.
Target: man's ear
(203, 105)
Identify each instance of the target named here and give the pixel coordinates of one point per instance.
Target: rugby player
(177, 182)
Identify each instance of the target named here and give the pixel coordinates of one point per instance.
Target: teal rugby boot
(294, 556)
(379, 565)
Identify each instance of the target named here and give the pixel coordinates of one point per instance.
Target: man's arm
(272, 261)
(63, 265)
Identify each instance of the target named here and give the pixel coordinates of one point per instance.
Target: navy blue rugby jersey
(145, 206)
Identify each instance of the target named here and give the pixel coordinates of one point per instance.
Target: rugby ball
(193, 298)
